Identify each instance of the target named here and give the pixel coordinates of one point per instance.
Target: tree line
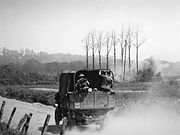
(126, 40)
(34, 72)
(22, 55)
(18, 54)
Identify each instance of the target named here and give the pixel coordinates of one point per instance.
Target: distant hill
(58, 57)
(13, 56)
(22, 56)
(171, 69)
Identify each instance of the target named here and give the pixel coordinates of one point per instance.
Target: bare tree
(138, 42)
(99, 47)
(93, 49)
(124, 70)
(129, 35)
(87, 47)
(113, 42)
(108, 49)
(121, 41)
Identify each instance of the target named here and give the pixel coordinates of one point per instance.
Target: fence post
(45, 125)
(26, 125)
(21, 122)
(2, 109)
(10, 119)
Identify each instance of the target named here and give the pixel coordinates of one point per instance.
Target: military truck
(75, 108)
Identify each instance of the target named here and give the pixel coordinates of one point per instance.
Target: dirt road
(39, 115)
(150, 119)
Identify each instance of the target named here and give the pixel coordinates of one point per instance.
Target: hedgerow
(5, 131)
(28, 95)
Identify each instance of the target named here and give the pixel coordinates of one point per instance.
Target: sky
(61, 25)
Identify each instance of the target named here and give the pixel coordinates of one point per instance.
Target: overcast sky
(60, 25)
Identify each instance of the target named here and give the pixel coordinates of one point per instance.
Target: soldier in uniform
(82, 84)
(107, 83)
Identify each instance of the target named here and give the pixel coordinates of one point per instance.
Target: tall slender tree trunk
(93, 50)
(107, 66)
(93, 57)
(122, 51)
(87, 62)
(107, 57)
(137, 48)
(139, 42)
(87, 53)
(129, 49)
(113, 42)
(99, 46)
(99, 59)
(129, 60)
(122, 56)
(122, 59)
(114, 57)
(124, 71)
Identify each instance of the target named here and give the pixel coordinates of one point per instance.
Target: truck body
(84, 108)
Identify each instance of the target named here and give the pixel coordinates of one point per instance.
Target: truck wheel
(63, 126)
(57, 117)
(61, 132)
(71, 123)
(101, 125)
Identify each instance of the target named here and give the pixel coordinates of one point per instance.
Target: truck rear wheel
(57, 116)
(101, 124)
(63, 126)
(71, 123)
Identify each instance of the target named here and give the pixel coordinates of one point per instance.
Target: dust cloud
(142, 119)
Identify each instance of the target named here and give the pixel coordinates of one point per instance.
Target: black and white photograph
(89, 67)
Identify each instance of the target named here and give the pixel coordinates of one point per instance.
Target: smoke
(154, 114)
(155, 64)
(142, 119)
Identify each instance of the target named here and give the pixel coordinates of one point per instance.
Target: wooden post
(10, 119)
(26, 125)
(21, 122)
(2, 109)
(45, 125)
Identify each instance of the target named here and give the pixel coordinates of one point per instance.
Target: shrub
(28, 95)
(5, 131)
(148, 71)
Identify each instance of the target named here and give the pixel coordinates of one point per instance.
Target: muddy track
(39, 114)
(151, 118)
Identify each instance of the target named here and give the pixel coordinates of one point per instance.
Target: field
(4, 131)
(147, 105)
(29, 93)
(45, 93)
(129, 92)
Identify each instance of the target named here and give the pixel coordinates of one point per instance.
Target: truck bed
(94, 100)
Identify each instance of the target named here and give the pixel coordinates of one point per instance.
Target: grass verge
(5, 131)
(28, 95)
(24, 93)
